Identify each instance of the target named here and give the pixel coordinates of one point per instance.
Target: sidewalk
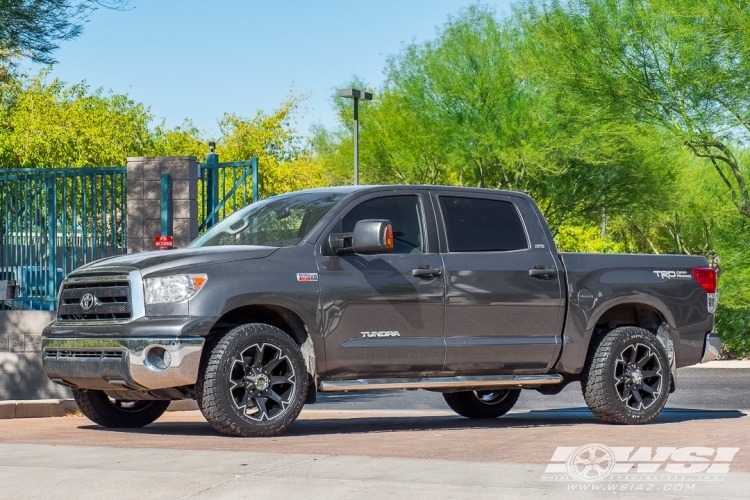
(75, 472)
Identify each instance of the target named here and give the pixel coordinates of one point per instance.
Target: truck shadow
(317, 425)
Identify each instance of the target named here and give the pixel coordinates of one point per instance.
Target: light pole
(356, 95)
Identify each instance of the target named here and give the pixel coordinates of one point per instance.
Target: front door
(504, 301)
(379, 319)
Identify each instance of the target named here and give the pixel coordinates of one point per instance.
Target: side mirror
(369, 237)
(372, 236)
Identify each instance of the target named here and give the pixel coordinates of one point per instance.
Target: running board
(468, 383)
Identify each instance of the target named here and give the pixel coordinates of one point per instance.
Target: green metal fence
(224, 188)
(55, 220)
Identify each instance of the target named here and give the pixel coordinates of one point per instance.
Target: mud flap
(665, 339)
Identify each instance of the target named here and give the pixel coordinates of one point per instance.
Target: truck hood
(189, 257)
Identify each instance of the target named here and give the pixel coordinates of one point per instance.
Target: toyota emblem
(87, 301)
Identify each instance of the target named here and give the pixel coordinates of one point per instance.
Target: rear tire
(482, 404)
(102, 410)
(253, 382)
(626, 379)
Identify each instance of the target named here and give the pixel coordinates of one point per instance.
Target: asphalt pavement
(697, 389)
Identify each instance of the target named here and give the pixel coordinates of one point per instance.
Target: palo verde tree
(681, 65)
(35, 28)
(459, 110)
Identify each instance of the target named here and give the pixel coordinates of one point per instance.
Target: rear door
(379, 318)
(504, 297)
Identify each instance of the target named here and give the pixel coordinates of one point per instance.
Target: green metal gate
(55, 220)
(224, 188)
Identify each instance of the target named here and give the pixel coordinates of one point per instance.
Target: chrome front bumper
(711, 347)
(122, 363)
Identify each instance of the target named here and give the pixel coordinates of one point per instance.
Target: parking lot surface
(336, 450)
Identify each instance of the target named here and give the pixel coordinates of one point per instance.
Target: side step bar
(468, 383)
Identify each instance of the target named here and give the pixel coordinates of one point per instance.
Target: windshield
(280, 221)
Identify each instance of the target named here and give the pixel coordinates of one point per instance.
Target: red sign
(163, 241)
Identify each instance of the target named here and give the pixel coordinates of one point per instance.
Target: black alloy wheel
(482, 403)
(638, 376)
(626, 378)
(262, 382)
(252, 382)
(110, 412)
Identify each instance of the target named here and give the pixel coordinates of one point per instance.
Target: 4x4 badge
(307, 276)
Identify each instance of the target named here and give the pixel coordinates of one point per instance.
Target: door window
(405, 215)
(482, 225)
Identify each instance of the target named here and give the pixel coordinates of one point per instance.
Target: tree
(461, 109)
(285, 162)
(34, 28)
(50, 124)
(681, 65)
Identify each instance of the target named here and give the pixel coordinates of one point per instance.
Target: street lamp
(356, 95)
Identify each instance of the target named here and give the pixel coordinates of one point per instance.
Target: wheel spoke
(261, 402)
(274, 397)
(650, 373)
(638, 397)
(626, 394)
(274, 362)
(645, 360)
(258, 360)
(246, 400)
(648, 389)
(282, 379)
(633, 354)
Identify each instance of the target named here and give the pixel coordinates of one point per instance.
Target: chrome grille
(112, 298)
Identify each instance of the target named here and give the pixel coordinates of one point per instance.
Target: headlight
(171, 289)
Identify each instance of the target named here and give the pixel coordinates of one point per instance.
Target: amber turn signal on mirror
(388, 237)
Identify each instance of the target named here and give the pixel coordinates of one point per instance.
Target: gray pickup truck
(454, 290)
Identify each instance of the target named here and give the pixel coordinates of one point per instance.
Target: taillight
(706, 277)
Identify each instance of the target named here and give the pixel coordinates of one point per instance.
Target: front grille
(111, 299)
(89, 353)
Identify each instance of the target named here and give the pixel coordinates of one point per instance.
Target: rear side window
(481, 225)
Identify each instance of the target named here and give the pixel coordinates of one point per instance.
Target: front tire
(626, 379)
(107, 412)
(253, 383)
(482, 404)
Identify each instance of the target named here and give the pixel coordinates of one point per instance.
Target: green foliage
(48, 124)
(681, 65)
(286, 164)
(580, 238)
(459, 110)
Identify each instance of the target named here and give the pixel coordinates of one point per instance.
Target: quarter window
(482, 225)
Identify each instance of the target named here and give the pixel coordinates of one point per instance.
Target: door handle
(541, 272)
(426, 272)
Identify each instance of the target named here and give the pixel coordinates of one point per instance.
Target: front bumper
(711, 347)
(122, 363)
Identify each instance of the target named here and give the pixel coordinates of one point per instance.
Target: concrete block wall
(144, 193)
(21, 374)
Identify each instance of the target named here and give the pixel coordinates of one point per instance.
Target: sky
(197, 59)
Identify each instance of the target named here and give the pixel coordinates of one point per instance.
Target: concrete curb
(60, 407)
(724, 364)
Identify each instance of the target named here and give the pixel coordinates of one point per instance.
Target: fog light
(158, 358)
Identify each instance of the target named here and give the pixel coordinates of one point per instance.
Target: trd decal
(674, 275)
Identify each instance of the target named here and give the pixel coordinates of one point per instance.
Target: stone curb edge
(61, 407)
(737, 364)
